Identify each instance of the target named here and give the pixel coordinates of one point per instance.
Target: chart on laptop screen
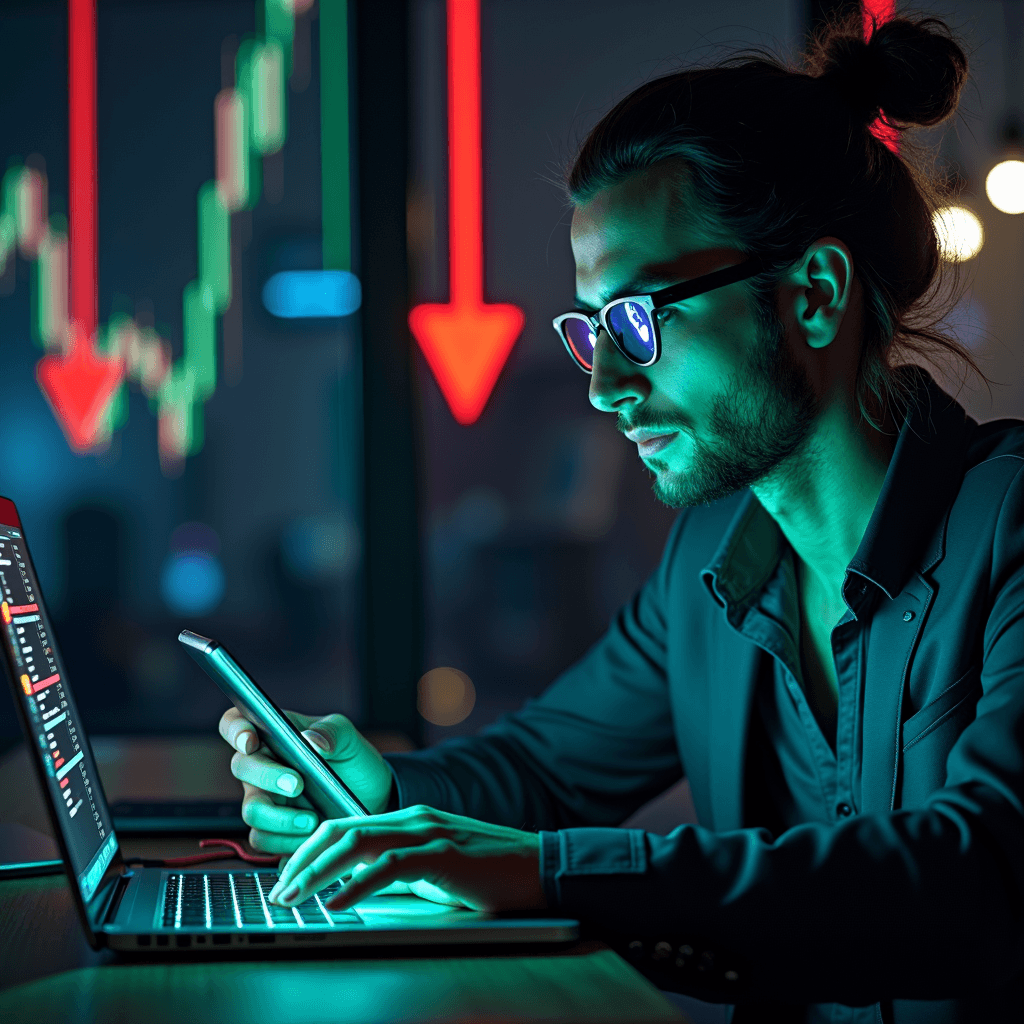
(71, 773)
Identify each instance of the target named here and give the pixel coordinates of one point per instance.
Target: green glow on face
(334, 135)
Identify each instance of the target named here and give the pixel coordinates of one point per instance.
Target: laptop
(155, 910)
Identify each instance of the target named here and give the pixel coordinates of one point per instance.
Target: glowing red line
(465, 173)
(82, 214)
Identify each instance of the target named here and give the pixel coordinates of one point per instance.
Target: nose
(616, 384)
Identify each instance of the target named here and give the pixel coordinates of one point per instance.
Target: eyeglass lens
(633, 329)
(582, 339)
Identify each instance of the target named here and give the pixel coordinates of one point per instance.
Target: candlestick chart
(88, 366)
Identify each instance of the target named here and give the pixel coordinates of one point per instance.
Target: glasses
(630, 322)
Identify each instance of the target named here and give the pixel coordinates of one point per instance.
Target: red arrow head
(466, 346)
(79, 388)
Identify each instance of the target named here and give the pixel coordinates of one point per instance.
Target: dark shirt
(805, 754)
(911, 905)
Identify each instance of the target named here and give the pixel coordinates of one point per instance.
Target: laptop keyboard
(238, 899)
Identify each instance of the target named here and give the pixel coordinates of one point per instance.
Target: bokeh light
(192, 580)
(960, 233)
(295, 294)
(445, 696)
(192, 583)
(1005, 186)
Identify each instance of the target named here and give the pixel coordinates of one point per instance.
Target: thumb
(333, 736)
(318, 741)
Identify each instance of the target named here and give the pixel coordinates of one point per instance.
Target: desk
(49, 973)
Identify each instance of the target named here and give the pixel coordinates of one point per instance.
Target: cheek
(701, 355)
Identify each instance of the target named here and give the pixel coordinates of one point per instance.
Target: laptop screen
(71, 777)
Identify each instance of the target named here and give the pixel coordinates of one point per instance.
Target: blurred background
(356, 547)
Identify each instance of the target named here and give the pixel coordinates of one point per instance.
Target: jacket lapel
(893, 638)
(734, 662)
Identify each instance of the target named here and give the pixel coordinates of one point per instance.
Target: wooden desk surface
(49, 973)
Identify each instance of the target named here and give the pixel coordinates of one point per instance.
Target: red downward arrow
(79, 386)
(78, 389)
(466, 341)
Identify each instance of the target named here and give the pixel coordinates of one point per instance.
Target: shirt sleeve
(594, 747)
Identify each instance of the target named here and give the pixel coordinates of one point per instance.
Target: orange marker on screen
(26, 684)
(5, 610)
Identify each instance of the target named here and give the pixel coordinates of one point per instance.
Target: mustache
(651, 419)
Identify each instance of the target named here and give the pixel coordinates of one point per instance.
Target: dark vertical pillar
(393, 593)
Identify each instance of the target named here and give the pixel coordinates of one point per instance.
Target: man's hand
(484, 867)
(279, 817)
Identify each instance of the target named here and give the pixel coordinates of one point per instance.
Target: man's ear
(822, 283)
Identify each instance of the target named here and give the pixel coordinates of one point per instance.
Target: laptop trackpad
(407, 910)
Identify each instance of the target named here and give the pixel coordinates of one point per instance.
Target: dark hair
(777, 157)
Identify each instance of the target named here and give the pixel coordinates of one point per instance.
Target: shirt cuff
(575, 863)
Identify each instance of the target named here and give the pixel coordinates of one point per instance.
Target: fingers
(257, 811)
(238, 731)
(261, 811)
(338, 846)
(366, 836)
(408, 864)
(265, 773)
(241, 734)
(334, 736)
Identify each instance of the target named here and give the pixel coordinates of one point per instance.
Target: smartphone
(322, 787)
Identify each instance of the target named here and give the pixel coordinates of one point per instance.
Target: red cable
(236, 850)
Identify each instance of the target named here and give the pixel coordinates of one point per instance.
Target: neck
(824, 500)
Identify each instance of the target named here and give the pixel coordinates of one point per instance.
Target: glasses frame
(654, 301)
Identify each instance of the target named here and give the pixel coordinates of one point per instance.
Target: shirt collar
(922, 479)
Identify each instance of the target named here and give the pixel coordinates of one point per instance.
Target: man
(832, 649)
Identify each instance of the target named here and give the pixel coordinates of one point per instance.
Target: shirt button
(844, 810)
(907, 616)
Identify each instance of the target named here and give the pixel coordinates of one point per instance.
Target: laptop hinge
(108, 912)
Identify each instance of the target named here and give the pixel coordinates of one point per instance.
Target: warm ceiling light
(1005, 186)
(960, 233)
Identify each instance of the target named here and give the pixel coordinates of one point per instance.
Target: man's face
(726, 405)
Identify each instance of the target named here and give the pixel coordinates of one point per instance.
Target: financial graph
(88, 366)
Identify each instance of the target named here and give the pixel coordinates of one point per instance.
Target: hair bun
(912, 70)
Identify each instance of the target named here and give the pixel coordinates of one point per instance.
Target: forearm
(479, 777)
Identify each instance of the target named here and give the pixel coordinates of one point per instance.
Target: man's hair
(776, 157)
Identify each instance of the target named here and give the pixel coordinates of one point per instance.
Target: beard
(756, 429)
